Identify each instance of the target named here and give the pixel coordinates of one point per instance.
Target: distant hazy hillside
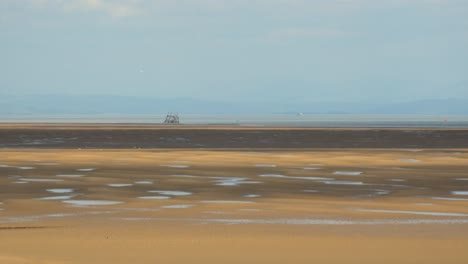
(101, 104)
(442, 107)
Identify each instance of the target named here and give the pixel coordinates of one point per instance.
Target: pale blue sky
(330, 50)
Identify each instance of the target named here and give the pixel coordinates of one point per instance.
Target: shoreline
(208, 126)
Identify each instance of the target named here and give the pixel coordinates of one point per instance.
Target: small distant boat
(300, 114)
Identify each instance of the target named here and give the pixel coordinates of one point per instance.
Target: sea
(284, 120)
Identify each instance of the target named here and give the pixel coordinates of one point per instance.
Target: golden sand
(234, 206)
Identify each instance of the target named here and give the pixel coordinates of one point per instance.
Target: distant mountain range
(107, 104)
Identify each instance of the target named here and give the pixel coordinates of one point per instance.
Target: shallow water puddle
(349, 173)
(40, 180)
(119, 185)
(344, 182)
(48, 164)
(233, 181)
(25, 168)
(188, 176)
(382, 192)
(251, 195)
(20, 182)
(70, 175)
(172, 193)
(155, 197)
(412, 212)
(294, 177)
(91, 202)
(61, 190)
(229, 181)
(86, 170)
(144, 182)
(135, 218)
(55, 215)
(461, 179)
(51, 198)
(397, 180)
(177, 206)
(460, 192)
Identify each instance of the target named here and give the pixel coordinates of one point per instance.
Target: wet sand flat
(127, 136)
(234, 206)
(154, 194)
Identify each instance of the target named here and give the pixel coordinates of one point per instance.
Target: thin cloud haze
(238, 50)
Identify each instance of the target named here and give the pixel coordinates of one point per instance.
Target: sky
(237, 50)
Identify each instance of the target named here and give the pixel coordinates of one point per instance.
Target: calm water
(263, 120)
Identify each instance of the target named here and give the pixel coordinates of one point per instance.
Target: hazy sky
(312, 50)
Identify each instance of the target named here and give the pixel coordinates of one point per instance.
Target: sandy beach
(62, 204)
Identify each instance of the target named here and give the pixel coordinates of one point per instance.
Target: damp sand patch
(409, 160)
(449, 199)
(412, 212)
(265, 165)
(176, 166)
(48, 164)
(40, 180)
(333, 221)
(70, 175)
(292, 221)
